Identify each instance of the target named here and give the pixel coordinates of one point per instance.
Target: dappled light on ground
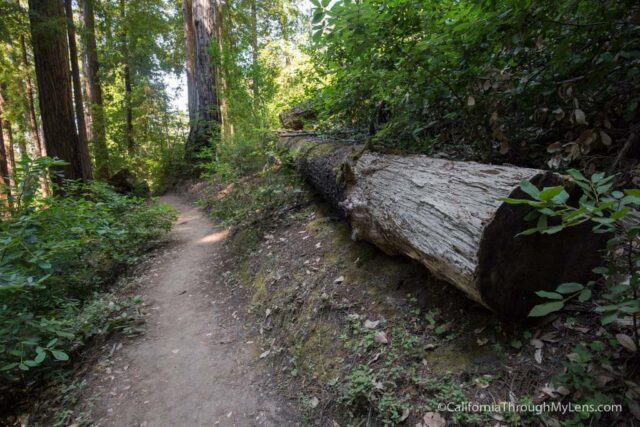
(214, 237)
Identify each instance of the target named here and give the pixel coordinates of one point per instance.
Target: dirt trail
(195, 365)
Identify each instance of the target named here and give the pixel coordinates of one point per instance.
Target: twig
(633, 139)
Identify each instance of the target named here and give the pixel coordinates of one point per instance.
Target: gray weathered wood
(448, 216)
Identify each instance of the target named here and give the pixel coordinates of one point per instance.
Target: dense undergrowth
(503, 81)
(57, 256)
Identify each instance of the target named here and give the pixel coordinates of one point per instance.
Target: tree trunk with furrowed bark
(201, 18)
(448, 216)
(51, 57)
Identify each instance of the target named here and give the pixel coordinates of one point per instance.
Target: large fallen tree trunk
(448, 216)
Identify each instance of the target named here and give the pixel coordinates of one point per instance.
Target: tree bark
(77, 92)
(7, 136)
(255, 62)
(205, 125)
(128, 127)
(29, 99)
(94, 90)
(5, 184)
(30, 107)
(51, 54)
(284, 28)
(7, 161)
(221, 72)
(448, 216)
(187, 18)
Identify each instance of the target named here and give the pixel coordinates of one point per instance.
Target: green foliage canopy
(487, 79)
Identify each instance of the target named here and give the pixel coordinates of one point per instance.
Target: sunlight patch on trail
(215, 237)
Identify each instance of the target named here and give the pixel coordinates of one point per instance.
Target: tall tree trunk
(255, 61)
(5, 189)
(7, 138)
(51, 55)
(29, 99)
(187, 15)
(77, 92)
(221, 72)
(94, 91)
(284, 28)
(205, 126)
(86, 91)
(31, 111)
(128, 128)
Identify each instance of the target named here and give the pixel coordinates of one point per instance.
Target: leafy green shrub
(615, 298)
(55, 255)
(492, 79)
(255, 197)
(606, 209)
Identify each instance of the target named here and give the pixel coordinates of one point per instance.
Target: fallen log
(448, 216)
(296, 117)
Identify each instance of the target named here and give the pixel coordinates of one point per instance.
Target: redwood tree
(94, 90)
(6, 155)
(7, 137)
(128, 128)
(204, 107)
(51, 57)
(77, 91)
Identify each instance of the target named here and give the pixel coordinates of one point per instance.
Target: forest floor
(358, 338)
(282, 319)
(196, 363)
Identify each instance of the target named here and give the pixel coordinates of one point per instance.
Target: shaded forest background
(87, 113)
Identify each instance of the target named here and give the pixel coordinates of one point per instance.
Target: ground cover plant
(57, 254)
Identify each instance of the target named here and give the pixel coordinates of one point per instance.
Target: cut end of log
(511, 269)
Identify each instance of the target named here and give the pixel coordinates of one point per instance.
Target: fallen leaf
(559, 114)
(175, 351)
(627, 342)
(314, 402)
(555, 161)
(378, 385)
(538, 356)
(580, 117)
(537, 343)
(265, 354)
(371, 324)
(602, 380)
(606, 139)
(381, 338)
(471, 101)
(555, 147)
(549, 391)
(339, 280)
(433, 419)
(550, 337)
